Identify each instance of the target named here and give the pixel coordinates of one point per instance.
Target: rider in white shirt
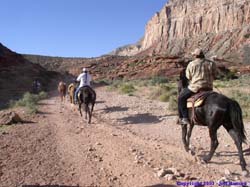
(85, 79)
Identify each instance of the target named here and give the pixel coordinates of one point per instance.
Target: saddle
(196, 101)
(82, 89)
(90, 92)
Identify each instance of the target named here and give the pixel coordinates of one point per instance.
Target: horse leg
(86, 111)
(80, 105)
(189, 133)
(184, 137)
(214, 144)
(91, 111)
(238, 142)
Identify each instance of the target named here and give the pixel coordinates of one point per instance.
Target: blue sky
(73, 28)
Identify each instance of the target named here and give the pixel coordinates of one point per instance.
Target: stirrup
(185, 121)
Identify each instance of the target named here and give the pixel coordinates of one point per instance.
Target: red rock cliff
(220, 27)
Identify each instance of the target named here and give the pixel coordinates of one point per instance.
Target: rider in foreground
(85, 79)
(200, 73)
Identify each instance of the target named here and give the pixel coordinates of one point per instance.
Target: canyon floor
(132, 141)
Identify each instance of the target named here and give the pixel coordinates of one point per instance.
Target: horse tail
(236, 119)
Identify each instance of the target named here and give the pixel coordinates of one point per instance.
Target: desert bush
(158, 80)
(115, 84)
(29, 101)
(172, 104)
(103, 81)
(244, 100)
(165, 97)
(42, 95)
(127, 88)
(164, 92)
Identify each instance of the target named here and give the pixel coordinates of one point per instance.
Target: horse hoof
(198, 160)
(191, 152)
(245, 173)
(206, 159)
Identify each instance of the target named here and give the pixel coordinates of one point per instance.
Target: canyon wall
(220, 27)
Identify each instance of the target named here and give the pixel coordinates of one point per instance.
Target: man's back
(84, 79)
(200, 73)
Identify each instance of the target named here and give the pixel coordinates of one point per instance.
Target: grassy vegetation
(123, 86)
(244, 100)
(29, 101)
(159, 88)
(237, 89)
(156, 80)
(127, 88)
(242, 81)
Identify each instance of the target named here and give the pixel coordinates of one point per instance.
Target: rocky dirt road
(132, 141)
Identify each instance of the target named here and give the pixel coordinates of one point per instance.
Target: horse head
(183, 81)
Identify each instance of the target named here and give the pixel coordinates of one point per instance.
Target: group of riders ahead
(200, 73)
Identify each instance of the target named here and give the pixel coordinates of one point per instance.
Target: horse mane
(183, 81)
(183, 78)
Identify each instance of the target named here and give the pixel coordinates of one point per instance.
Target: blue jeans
(76, 93)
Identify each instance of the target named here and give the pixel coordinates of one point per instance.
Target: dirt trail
(129, 141)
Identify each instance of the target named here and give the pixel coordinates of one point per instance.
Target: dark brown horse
(87, 97)
(62, 90)
(217, 110)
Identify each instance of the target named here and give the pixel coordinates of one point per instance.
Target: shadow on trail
(115, 109)
(220, 163)
(222, 154)
(141, 118)
(41, 112)
(27, 122)
(99, 102)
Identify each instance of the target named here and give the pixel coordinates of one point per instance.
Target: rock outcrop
(9, 118)
(220, 27)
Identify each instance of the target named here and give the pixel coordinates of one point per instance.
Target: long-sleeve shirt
(201, 74)
(84, 79)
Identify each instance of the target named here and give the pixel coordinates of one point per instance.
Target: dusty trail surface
(130, 141)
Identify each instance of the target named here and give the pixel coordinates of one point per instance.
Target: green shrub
(165, 97)
(115, 84)
(42, 95)
(159, 80)
(32, 108)
(244, 100)
(127, 88)
(103, 81)
(163, 92)
(172, 104)
(29, 101)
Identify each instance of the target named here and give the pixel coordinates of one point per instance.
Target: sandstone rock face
(220, 27)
